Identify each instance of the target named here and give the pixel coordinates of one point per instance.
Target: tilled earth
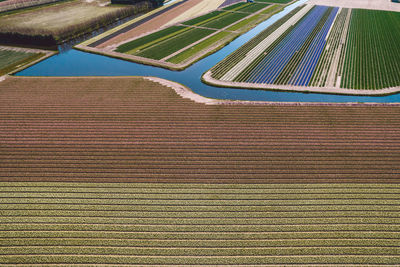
(135, 130)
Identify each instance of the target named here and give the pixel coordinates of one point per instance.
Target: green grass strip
(204, 18)
(236, 6)
(253, 7)
(192, 51)
(223, 21)
(169, 46)
(149, 39)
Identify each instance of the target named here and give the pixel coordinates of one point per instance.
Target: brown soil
(153, 24)
(135, 130)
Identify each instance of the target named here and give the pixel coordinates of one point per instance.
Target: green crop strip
(169, 46)
(204, 18)
(223, 21)
(200, 47)
(372, 58)
(236, 6)
(253, 7)
(150, 39)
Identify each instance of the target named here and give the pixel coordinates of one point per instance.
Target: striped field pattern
(319, 46)
(113, 171)
(129, 129)
(100, 223)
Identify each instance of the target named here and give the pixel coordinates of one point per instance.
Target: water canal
(76, 63)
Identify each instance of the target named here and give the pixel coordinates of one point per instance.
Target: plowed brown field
(134, 130)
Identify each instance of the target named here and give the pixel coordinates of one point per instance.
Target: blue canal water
(77, 63)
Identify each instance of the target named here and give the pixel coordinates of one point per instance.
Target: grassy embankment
(63, 21)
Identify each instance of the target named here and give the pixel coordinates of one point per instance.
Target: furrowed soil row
(142, 140)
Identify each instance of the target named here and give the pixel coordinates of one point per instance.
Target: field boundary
(303, 89)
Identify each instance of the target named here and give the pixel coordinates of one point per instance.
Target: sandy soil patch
(151, 25)
(202, 7)
(365, 4)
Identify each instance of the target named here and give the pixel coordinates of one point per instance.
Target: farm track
(52, 130)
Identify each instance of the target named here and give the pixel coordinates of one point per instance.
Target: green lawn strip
(204, 18)
(223, 21)
(150, 39)
(192, 51)
(79, 233)
(169, 46)
(247, 23)
(195, 260)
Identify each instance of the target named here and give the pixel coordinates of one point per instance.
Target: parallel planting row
(321, 46)
(11, 59)
(202, 224)
(180, 43)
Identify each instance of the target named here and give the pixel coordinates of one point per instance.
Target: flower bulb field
(319, 48)
(200, 133)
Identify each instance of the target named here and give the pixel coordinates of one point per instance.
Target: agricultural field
(133, 130)
(12, 58)
(184, 224)
(55, 24)
(178, 46)
(326, 48)
(122, 170)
